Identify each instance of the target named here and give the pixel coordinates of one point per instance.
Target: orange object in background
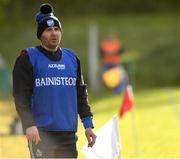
(110, 50)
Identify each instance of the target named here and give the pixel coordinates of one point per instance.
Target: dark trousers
(54, 145)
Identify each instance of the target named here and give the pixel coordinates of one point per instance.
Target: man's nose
(53, 32)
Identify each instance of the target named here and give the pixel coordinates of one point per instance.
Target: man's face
(51, 37)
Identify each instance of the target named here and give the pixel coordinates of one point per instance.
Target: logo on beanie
(50, 22)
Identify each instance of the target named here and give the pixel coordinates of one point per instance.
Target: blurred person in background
(113, 73)
(5, 79)
(49, 93)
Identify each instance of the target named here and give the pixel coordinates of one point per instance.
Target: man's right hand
(32, 134)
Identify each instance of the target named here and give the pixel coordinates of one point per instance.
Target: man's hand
(91, 137)
(32, 134)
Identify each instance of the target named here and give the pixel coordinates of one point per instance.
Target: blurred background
(149, 33)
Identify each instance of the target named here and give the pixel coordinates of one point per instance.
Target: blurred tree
(20, 9)
(3, 5)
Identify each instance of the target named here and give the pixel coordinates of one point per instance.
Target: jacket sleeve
(83, 103)
(22, 89)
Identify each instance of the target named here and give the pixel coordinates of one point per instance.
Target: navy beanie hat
(45, 19)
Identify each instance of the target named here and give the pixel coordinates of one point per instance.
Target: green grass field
(156, 122)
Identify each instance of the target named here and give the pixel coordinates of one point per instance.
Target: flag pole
(131, 77)
(134, 133)
(127, 105)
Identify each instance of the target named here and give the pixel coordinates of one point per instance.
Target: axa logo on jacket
(58, 66)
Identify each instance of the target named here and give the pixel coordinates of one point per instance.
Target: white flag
(107, 144)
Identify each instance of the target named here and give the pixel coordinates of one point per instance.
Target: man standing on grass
(49, 93)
